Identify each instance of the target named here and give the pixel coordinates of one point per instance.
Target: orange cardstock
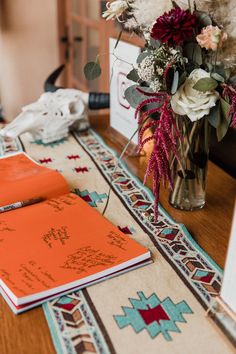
(21, 179)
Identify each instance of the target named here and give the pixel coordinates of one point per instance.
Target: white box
(121, 113)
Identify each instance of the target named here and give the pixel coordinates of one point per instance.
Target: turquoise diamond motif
(153, 315)
(92, 198)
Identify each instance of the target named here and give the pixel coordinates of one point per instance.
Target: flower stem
(189, 6)
(178, 185)
(215, 60)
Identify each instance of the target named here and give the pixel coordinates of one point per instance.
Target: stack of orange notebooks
(57, 245)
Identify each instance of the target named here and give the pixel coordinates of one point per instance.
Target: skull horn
(97, 100)
(49, 85)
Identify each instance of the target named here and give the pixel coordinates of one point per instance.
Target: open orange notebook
(57, 245)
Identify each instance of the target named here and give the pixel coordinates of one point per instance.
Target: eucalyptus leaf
(92, 70)
(155, 43)
(142, 56)
(219, 69)
(133, 75)
(209, 66)
(227, 74)
(203, 18)
(175, 5)
(214, 116)
(175, 83)
(224, 119)
(150, 106)
(232, 80)
(205, 84)
(193, 52)
(225, 107)
(134, 97)
(190, 67)
(169, 79)
(217, 77)
(182, 78)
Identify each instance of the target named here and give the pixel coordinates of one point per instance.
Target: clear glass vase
(189, 174)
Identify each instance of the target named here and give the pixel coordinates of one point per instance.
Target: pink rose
(211, 37)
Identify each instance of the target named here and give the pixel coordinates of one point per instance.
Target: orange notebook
(57, 245)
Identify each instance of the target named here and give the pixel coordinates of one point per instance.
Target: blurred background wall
(28, 50)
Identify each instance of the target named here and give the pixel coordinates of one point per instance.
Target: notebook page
(58, 243)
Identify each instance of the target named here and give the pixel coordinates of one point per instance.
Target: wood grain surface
(28, 333)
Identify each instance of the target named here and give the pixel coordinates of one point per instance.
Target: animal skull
(52, 116)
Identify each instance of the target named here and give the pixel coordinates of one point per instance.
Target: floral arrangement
(181, 72)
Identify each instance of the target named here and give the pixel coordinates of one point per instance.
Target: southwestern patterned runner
(160, 308)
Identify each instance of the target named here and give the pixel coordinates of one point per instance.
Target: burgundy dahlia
(174, 27)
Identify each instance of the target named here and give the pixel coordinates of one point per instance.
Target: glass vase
(189, 173)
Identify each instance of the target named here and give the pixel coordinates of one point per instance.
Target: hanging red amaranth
(165, 137)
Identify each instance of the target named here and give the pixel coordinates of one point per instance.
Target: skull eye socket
(72, 108)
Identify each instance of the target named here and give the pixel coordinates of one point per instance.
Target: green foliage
(175, 5)
(217, 77)
(182, 78)
(203, 19)
(92, 70)
(133, 75)
(223, 126)
(232, 80)
(155, 43)
(214, 116)
(219, 118)
(134, 97)
(175, 83)
(209, 66)
(169, 79)
(227, 74)
(190, 67)
(193, 52)
(206, 84)
(142, 56)
(220, 70)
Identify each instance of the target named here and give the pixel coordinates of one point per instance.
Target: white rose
(193, 103)
(115, 9)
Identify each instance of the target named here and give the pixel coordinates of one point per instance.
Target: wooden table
(28, 333)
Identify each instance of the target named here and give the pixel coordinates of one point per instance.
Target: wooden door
(84, 34)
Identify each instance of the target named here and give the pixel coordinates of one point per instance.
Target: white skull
(50, 118)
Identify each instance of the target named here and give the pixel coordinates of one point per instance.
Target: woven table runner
(159, 308)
